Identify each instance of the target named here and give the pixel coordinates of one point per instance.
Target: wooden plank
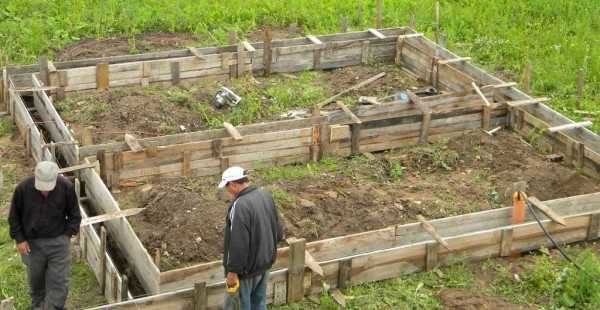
(175, 72)
(376, 33)
(431, 231)
(354, 87)
(483, 97)
(103, 245)
(569, 126)
(338, 297)
(110, 216)
(78, 167)
(355, 132)
(194, 51)
(344, 273)
(431, 255)
(314, 40)
(248, 47)
(506, 242)
(295, 278)
(200, 297)
(186, 166)
(133, 143)
(453, 60)
(102, 78)
(101, 157)
(486, 117)
(355, 119)
(593, 231)
(547, 211)
(526, 102)
(233, 132)
(312, 264)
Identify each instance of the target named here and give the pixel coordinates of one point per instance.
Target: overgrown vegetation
(545, 281)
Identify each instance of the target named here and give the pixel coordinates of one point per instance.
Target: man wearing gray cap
(44, 214)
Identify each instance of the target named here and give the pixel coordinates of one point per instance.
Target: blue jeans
(251, 296)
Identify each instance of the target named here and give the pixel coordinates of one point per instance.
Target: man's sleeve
(239, 244)
(14, 216)
(73, 214)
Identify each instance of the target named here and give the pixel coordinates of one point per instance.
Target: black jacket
(34, 216)
(252, 230)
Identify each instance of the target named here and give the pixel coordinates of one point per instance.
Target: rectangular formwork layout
(470, 98)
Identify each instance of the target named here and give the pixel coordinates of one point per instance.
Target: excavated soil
(185, 216)
(160, 110)
(463, 299)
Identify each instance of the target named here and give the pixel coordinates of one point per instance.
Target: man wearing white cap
(252, 230)
(44, 214)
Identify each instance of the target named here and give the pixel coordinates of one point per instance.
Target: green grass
(557, 37)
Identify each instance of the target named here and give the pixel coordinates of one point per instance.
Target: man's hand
(232, 280)
(23, 248)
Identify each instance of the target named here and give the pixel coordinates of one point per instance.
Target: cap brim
(222, 184)
(44, 186)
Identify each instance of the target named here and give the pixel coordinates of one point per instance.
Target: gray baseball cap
(46, 173)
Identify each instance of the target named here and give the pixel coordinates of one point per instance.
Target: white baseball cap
(46, 173)
(232, 174)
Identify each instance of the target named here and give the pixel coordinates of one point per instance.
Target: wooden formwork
(92, 251)
(471, 99)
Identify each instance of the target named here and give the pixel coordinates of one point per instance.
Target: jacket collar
(246, 191)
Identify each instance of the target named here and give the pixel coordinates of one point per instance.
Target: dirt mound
(462, 299)
(143, 43)
(185, 216)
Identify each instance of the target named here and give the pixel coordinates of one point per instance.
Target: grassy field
(557, 38)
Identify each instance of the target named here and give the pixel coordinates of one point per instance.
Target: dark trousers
(48, 269)
(251, 296)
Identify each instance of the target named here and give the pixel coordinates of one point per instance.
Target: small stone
(199, 239)
(306, 203)
(331, 194)
(399, 206)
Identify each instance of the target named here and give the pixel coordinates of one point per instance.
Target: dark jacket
(34, 216)
(252, 230)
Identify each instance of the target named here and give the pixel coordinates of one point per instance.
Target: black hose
(560, 249)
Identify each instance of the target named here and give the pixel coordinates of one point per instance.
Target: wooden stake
(580, 85)
(312, 264)
(594, 227)
(355, 138)
(526, 77)
(175, 77)
(241, 60)
(344, 273)
(506, 236)
(102, 79)
(200, 296)
(156, 257)
(412, 21)
(103, 245)
(101, 157)
(425, 123)
(295, 281)
(432, 231)
(124, 287)
(379, 18)
(437, 22)
(431, 255)
(186, 164)
(267, 51)
(518, 215)
(233, 132)
(355, 87)
(344, 24)
(44, 72)
(133, 143)
(338, 297)
(569, 126)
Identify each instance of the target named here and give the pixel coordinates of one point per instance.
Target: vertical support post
(295, 276)
(3, 91)
(28, 143)
(101, 157)
(62, 83)
(316, 135)
(379, 18)
(156, 257)
(233, 70)
(580, 85)
(241, 60)
(324, 142)
(200, 297)
(116, 174)
(518, 212)
(267, 51)
(344, 24)
(526, 77)
(365, 52)
(579, 152)
(355, 138)
(124, 287)
(115, 286)
(175, 79)
(506, 236)
(434, 77)
(437, 22)
(425, 123)
(399, 47)
(86, 136)
(186, 167)
(43, 63)
(431, 255)
(594, 228)
(344, 273)
(102, 79)
(486, 118)
(412, 20)
(102, 254)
